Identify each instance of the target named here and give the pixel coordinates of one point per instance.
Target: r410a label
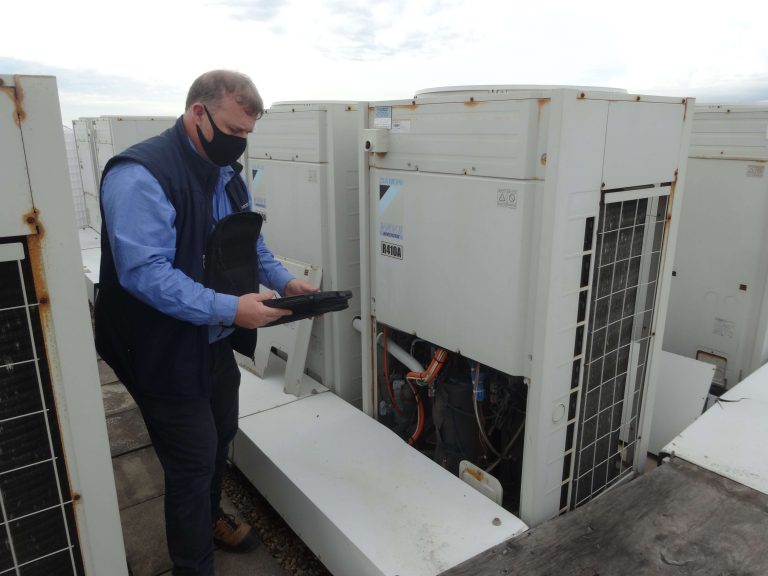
(392, 250)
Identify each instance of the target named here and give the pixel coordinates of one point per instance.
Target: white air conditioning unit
(58, 507)
(303, 173)
(718, 304)
(98, 139)
(526, 231)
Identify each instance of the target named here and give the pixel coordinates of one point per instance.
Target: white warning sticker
(755, 170)
(506, 198)
(401, 126)
(382, 117)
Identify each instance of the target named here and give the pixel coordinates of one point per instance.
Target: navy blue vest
(151, 352)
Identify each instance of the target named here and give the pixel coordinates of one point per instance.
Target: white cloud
(150, 51)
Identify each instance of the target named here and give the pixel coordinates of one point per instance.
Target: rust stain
(411, 106)
(35, 246)
(541, 103)
(32, 220)
(16, 94)
(476, 474)
(668, 222)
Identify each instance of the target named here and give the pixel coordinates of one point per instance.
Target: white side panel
(68, 336)
(642, 143)
(127, 131)
(364, 501)
(720, 265)
(729, 438)
(682, 385)
(571, 195)
(291, 196)
(14, 185)
(489, 138)
(293, 134)
(451, 263)
(312, 214)
(730, 132)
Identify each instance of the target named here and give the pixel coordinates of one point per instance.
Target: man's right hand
(251, 313)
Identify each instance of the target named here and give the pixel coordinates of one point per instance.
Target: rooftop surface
(139, 483)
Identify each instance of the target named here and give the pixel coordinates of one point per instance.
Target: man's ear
(198, 112)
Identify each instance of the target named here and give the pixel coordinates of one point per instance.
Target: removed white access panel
(303, 172)
(528, 230)
(58, 504)
(362, 500)
(729, 438)
(681, 392)
(291, 338)
(718, 307)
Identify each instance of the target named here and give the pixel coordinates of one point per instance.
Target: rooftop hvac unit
(98, 139)
(518, 240)
(718, 305)
(303, 173)
(58, 508)
(75, 179)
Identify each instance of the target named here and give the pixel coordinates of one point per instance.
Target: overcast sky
(140, 56)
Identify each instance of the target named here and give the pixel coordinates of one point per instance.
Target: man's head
(221, 110)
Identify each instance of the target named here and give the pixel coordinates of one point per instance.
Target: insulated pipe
(396, 351)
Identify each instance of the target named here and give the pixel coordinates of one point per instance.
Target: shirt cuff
(224, 309)
(281, 279)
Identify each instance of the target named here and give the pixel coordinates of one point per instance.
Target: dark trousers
(191, 438)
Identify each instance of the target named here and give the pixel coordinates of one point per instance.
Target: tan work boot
(232, 535)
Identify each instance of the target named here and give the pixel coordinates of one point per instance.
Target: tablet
(310, 305)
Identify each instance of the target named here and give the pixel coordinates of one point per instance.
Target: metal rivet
(496, 522)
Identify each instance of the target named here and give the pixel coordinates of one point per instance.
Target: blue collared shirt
(142, 233)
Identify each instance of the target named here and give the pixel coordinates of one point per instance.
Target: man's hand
(251, 313)
(296, 287)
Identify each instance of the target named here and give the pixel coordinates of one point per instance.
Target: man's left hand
(297, 286)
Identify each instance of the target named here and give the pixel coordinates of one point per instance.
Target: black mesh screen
(38, 535)
(626, 268)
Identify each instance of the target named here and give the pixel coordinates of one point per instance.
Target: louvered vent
(38, 536)
(626, 268)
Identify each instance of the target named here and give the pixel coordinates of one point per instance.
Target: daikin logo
(389, 188)
(391, 230)
(392, 250)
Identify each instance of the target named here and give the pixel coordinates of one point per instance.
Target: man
(177, 222)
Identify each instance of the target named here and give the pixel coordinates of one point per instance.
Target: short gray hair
(212, 86)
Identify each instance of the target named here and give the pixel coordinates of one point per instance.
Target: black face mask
(223, 149)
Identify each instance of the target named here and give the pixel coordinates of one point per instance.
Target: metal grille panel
(628, 256)
(38, 535)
